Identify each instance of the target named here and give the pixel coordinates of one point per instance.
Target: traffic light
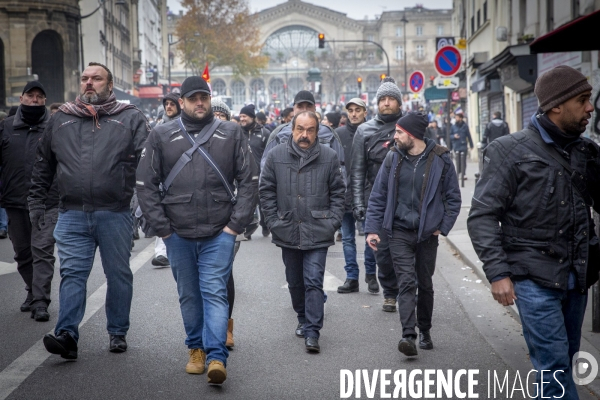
(359, 81)
(381, 77)
(321, 40)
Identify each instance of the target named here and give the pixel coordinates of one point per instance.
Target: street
(470, 331)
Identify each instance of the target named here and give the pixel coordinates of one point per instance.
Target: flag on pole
(205, 74)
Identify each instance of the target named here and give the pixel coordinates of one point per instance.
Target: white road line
(16, 373)
(330, 283)
(7, 268)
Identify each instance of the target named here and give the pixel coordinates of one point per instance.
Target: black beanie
(415, 123)
(249, 111)
(334, 118)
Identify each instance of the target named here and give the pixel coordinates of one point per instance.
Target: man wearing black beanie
(422, 202)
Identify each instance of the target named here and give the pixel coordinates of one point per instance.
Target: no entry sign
(416, 82)
(447, 61)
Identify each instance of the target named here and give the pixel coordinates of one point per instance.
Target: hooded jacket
(439, 196)
(495, 129)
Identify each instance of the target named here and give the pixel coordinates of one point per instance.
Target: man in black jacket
(302, 196)
(495, 129)
(372, 141)
(33, 246)
(357, 111)
(530, 224)
(92, 145)
(198, 218)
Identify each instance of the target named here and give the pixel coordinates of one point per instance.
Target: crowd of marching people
(88, 174)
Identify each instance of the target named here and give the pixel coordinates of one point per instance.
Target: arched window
(218, 87)
(295, 85)
(257, 91)
(292, 41)
(47, 62)
(238, 92)
(276, 88)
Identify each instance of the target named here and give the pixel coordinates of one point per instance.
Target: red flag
(205, 74)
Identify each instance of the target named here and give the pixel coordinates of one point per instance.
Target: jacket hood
(497, 122)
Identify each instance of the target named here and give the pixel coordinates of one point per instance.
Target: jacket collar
(18, 122)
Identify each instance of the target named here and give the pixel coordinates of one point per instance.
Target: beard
(575, 127)
(97, 97)
(406, 146)
(193, 113)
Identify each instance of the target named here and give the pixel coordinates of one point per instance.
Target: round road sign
(416, 82)
(448, 61)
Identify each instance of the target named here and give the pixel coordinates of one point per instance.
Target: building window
(478, 19)
(419, 30)
(399, 31)
(371, 56)
(370, 38)
(399, 53)
(420, 51)
(440, 30)
(238, 92)
(473, 25)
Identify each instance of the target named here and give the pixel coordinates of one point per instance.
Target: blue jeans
(552, 320)
(201, 269)
(3, 219)
(349, 246)
(78, 234)
(305, 272)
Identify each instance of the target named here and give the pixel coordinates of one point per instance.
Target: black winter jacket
(346, 134)
(197, 204)
(527, 220)
(19, 143)
(257, 139)
(495, 129)
(94, 167)
(303, 206)
(372, 141)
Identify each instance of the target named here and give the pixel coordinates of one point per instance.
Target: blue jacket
(440, 202)
(462, 130)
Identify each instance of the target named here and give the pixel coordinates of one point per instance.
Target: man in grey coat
(302, 197)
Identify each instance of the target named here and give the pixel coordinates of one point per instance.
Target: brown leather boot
(229, 341)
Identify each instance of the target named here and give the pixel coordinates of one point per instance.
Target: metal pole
(404, 53)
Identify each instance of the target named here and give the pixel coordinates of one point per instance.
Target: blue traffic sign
(416, 82)
(448, 61)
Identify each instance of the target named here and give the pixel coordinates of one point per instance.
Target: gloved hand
(360, 213)
(37, 216)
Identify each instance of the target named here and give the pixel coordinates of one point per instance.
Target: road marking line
(7, 268)
(20, 369)
(330, 283)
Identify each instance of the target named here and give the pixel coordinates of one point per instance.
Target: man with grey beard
(92, 145)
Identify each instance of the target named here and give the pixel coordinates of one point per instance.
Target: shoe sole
(118, 349)
(54, 347)
(159, 264)
(348, 291)
(389, 309)
(426, 347)
(216, 377)
(300, 336)
(406, 349)
(41, 318)
(312, 349)
(195, 370)
(373, 291)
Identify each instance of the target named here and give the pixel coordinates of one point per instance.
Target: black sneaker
(160, 261)
(40, 314)
(118, 344)
(425, 341)
(62, 344)
(351, 285)
(3, 234)
(266, 232)
(373, 286)
(26, 306)
(300, 330)
(407, 346)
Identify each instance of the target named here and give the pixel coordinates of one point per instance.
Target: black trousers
(411, 258)
(34, 252)
(385, 273)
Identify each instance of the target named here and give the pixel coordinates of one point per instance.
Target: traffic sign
(442, 82)
(448, 61)
(416, 82)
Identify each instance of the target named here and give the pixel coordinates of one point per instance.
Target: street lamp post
(170, 42)
(404, 20)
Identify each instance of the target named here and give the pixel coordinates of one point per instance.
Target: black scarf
(195, 125)
(390, 117)
(249, 128)
(32, 115)
(562, 139)
(352, 128)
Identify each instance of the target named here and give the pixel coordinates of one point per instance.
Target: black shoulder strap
(537, 139)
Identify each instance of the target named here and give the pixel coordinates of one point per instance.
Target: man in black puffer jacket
(530, 224)
(302, 196)
(33, 245)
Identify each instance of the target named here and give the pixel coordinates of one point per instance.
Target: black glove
(359, 213)
(37, 216)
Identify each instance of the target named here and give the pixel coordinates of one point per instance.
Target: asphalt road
(470, 331)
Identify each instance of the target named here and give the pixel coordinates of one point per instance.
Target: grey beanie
(388, 87)
(220, 106)
(559, 85)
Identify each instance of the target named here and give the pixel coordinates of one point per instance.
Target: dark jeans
(305, 272)
(3, 219)
(552, 320)
(349, 247)
(386, 274)
(34, 252)
(409, 258)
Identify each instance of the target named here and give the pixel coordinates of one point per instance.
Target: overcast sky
(356, 9)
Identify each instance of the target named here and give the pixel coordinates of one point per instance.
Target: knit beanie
(334, 118)
(415, 123)
(249, 111)
(220, 106)
(174, 97)
(559, 85)
(388, 87)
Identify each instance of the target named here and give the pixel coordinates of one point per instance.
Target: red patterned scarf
(82, 109)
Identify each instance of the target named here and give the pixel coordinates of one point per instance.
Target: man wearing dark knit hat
(530, 224)
(419, 203)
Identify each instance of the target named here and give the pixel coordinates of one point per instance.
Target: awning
(516, 68)
(577, 35)
(151, 92)
(123, 96)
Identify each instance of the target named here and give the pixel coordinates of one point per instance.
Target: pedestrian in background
(495, 129)
(460, 138)
(531, 226)
(198, 215)
(92, 145)
(33, 245)
(302, 196)
(416, 197)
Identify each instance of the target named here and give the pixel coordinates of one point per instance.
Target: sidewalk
(459, 240)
